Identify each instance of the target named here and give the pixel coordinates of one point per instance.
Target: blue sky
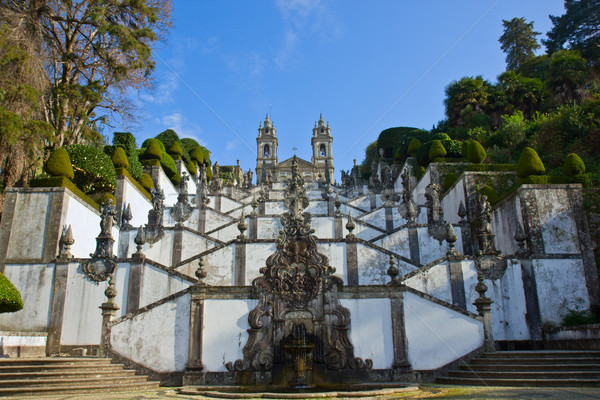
(366, 66)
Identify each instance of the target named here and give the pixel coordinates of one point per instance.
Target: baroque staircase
(66, 375)
(529, 368)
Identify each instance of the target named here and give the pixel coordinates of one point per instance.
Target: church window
(267, 151)
(322, 152)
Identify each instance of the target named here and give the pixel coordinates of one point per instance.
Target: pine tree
(519, 42)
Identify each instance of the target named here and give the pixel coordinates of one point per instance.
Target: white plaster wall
(317, 207)
(504, 224)
(268, 227)
(314, 194)
(161, 251)
(228, 204)
(35, 283)
(419, 189)
(275, 207)
(437, 335)
(396, 242)
(157, 339)
(27, 240)
(224, 332)
(336, 253)
(85, 225)
(324, 227)
(227, 233)
(168, 188)
(371, 330)
(214, 219)
(140, 205)
(122, 286)
(192, 244)
(218, 267)
(256, 257)
(434, 281)
(372, 266)
(559, 229)
(431, 249)
(362, 202)
(561, 286)
(375, 218)
(157, 284)
(451, 201)
(238, 213)
(82, 316)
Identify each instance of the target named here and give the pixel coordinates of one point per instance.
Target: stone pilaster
(401, 364)
(261, 208)
(338, 227)
(531, 221)
(54, 228)
(202, 220)
(8, 214)
(57, 310)
(373, 200)
(177, 245)
(389, 218)
(240, 264)
(352, 263)
(533, 316)
(253, 226)
(413, 245)
(457, 285)
(217, 204)
(134, 288)
(194, 370)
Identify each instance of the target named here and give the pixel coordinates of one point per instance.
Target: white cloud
(184, 128)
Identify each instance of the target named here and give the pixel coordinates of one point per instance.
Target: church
(268, 167)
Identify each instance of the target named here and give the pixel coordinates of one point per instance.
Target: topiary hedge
(413, 146)
(93, 169)
(168, 165)
(148, 141)
(119, 158)
(153, 151)
(449, 180)
(191, 167)
(491, 194)
(59, 164)
(198, 155)
(436, 150)
(175, 151)
(530, 164)
(125, 140)
(147, 182)
(61, 181)
(475, 152)
(573, 165)
(10, 298)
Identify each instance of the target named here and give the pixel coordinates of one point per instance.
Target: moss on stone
(530, 164)
(59, 164)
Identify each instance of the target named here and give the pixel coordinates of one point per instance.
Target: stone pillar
(531, 221)
(194, 370)
(261, 207)
(389, 218)
(54, 228)
(373, 200)
(109, 310)
(177, 245)
(239, 267)
(202, 220)
(352, 262)
(400, 365)
(533, 316)
(413, 245)
(134, 288)
(457, 285)
(217, 200)
(330, 205)
(8, 213)
(484, 309)
(253, 226)
(338, 227)
(57, 310)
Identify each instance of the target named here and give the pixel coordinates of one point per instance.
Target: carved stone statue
(108, 218)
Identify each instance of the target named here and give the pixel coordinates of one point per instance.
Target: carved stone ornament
(99, 269)
(435, 214)
(297, 287)
(154, 230)
(66, 241)
(182, 210)
(491, 266)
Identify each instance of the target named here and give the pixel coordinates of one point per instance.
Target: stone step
(553, 354)
(525, 374)
(53, 361)
(41, 382)
(518, 382)
(530, 367)
(533, 360)
(65, 374)
(86, 388)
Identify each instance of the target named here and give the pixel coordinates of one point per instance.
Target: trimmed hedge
(491, 167)
(151, 163)
(153, 151)
(10, 298)
(175, 151)
(125, 140)
(197, 155)
(437, 150)
(108, 196)
(61, 181)
(573, 165)
(449, 180)
(168, 137)
(147, 182)
(59, 164)
(475, 152)
(136, 183)
(119, 158)
(94, 171)
(191, 167)
(413, 146)
(168, 165)
(530, 164)
(491, 194)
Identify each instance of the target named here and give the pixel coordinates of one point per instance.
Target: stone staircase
(529, 368)
(65, 375)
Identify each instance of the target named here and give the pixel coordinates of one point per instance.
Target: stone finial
(111, 290)
(66, 241)
(242, 226)
(393, 271)
(484, 308)
(350, 227)
(200, 272)
(521, 239)
(462, 212)
(254, 206)
(337, 204)
(451, 239)
(126, 218)
(139, 240)
(109, 309)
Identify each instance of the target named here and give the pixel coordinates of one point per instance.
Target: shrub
(148, 141)
(578, 317)
(465, 149)
(209, 173)
(119, 158)
(449, 180)
(59, 164)
(191, 167)
(135, 166)
(538, 180)
(420, 172)
(170, 168)
(453, 148)
(197, 155)
(573, 165)
(530, 164)
(147, 182)
(475, 152)
(436, 150)
(584, 179)
(10, 298)
(175, 151)
(153, 151)
(94, 171)
(413, 146)
(168, 137)
(189, 144)
(491, 194)
(125, 140)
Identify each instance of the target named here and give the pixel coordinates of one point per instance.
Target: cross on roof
(294, 148)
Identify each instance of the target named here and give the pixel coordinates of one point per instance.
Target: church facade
(268, 167)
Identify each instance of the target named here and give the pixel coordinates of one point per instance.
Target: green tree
(566, 76)
(466, 92)
(97, 51)
(519, 42)
(512, 132)
(523, 93)
(578, 29)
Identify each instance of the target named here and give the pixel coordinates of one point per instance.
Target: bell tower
(321, 143)
(266, 150)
